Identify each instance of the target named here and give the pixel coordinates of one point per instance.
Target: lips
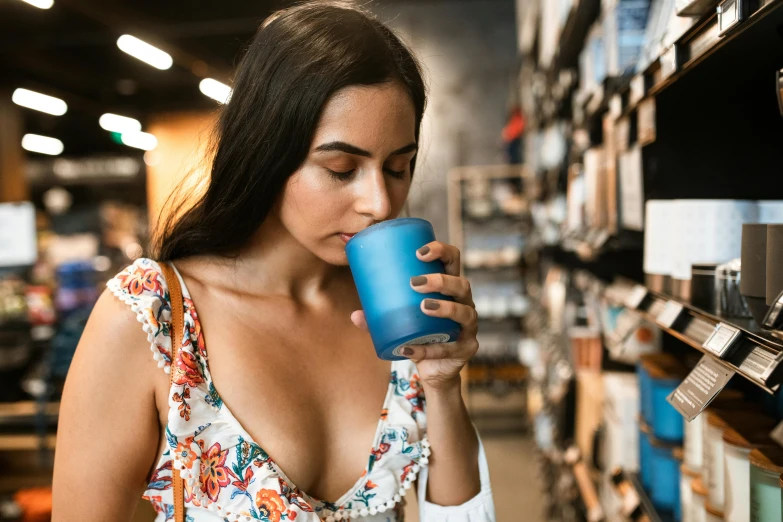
(346, 237)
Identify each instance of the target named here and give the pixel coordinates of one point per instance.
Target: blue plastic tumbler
(383, 261)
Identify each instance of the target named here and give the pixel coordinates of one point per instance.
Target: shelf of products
(754, 354)
(647, 506)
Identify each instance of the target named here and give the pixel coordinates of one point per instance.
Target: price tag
(635, 298)
(670, 313)
(721, 339)
(760, 364)
(698, 389)
(669, 62)
(637, 88)
(729, 14)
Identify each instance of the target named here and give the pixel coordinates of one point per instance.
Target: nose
(372, 196)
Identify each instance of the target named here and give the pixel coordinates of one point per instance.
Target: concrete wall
(468, 49)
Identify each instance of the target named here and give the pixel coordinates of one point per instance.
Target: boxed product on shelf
(620, 416)
(624, 27)
(686, 232)
(589, 410)
(631, 181)
(592, 61)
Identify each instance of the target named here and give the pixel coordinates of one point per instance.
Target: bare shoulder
(108, 415)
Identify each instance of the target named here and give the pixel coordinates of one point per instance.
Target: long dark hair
(298, 58)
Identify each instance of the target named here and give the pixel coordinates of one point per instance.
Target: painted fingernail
(407, 352)
(419, 280)
(423, 251)
(431, 304)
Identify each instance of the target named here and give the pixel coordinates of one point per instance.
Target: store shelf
(25, 442)
(15, 410)
(572, 37)
(756, 357)
(703, 40)
(653, 514)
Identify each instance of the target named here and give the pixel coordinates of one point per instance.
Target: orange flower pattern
(270, 505)
(214, 472)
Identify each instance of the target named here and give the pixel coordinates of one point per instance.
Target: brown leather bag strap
(176, 331)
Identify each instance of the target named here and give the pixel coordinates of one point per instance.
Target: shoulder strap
(177, 329)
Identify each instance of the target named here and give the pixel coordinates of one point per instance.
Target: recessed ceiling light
(116, 123)
(39, 102)
(140, 140)
(214, 89)
(40, 4)
(42, 144)
(145, 52)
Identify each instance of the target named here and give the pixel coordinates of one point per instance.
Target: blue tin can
(667, 423)
(665, 491)
(645, 456)
(645, 393)
(383, 260)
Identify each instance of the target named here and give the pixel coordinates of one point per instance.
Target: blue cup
(383, 260)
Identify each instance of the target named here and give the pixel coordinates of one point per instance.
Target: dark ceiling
(70, 51)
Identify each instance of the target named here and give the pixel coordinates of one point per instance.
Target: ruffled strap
(143, 287)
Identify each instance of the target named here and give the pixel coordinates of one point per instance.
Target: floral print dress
(228, 476)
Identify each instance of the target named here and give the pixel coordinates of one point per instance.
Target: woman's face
(357, 172)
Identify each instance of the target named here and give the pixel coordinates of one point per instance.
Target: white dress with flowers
(229, 477)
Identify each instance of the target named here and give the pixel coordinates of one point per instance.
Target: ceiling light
(215, 90)
(116, 123)
(39, 102)
(42, 144)
(40, 4)
(140, 140)
(144, 52)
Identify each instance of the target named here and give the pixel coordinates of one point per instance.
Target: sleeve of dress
(480, 508)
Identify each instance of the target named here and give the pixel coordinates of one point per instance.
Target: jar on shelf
(736, 483)
(718, 421)
(766, 467)
(687, 477)
(698, 511)
(713, 514)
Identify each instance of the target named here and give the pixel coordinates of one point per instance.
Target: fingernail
(407, 352)
(423, 251)
(419, 280)
(431, 304)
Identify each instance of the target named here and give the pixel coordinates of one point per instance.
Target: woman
(281, 420)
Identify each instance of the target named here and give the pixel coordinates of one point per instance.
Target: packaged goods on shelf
(736, 450)
(624, 28)
(766, 467)
(718, 422)
(629, 173)
(682, 233)
(665, 475)
(620, 417)
(592, 61)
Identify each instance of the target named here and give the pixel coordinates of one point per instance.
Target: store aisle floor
(518, 495)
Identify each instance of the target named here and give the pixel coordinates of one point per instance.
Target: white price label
(670, 313)
(728, 14)
(721, 340)
(635, 298)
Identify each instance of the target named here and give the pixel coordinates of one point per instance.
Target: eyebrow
(356, 151)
